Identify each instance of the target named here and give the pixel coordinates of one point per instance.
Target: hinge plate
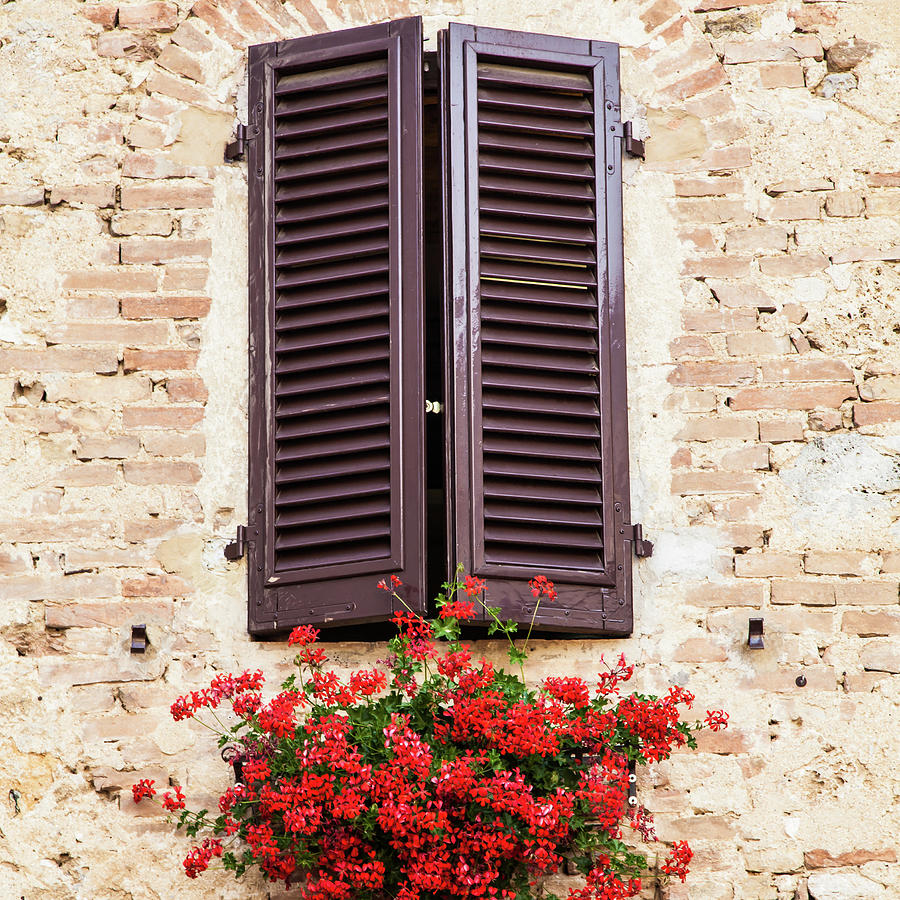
(238, 547)
(642, 548)
(625, 131)
(243, 134)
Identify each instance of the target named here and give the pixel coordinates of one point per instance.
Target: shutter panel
(336, 409)
(536, 368)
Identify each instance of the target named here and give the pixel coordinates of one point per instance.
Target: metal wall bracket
(238, 547)
(755, 635)
(633, 147)
(641, 547)
(138, 638)
(237, 147)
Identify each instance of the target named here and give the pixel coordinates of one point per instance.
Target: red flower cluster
(144, 788)
(716, 719)
(541, 587)
(441, 777)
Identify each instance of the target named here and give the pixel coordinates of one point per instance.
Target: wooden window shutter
(336, 495)
(538, 469)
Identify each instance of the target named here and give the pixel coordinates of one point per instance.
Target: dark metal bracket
(243, 134)
(238, 547)
(138, 638)
(642, 548)
(755, 635)
(633, 147)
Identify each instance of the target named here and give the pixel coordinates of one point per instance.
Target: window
(436, 227)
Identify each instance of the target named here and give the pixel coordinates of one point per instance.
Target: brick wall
(762, 242)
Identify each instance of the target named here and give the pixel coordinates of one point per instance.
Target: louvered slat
(539, 278)
(332, 390)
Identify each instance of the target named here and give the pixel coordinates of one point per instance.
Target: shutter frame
(285, 591)
(589, 601)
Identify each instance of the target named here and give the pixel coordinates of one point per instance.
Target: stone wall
(762, 242)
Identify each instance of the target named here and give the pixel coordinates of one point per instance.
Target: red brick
(118, 279)
(153, 16)
(806, 593)
(756, 458)
(161, 473)
(755, 239)
(809, 18)
(178, 60)
(26, 196)
(165, 307)
(757, 344)
(690, 345)
(186, 390)
(876, 413)
(831, 396)
(712, 482)
(165, 444)
(150, 528)
(871, 624)
(147, 135)
(103, 14)
(160, 360)
(691, 400)
(859, 253)
(740, 295)
(806, 370)
(161, 82)
(784, 681)
(100, 196)
(659, 14)
(885, 387)
(718, 321)
(189, 36)
(717, 266)
(802, 207)
(184, 278)
(121, 447)
(110, 333)
(846, 204)
(59, 359)
(710, 429)
(177, 417)
(124, 44)
(703, 373)
(108, 615)
(184, 195)
(884, 179)
(159, 250)
(819, 859)
(727, 594)
(793, 265)
(86, 475)
(701, 649)
(160, 165)
(696, 83)
(55, 421)
(712, 210)
(773, 51)
(58, 587)
(54, 530)
(883, 204)
(15, 562)
(699, 239)
(766, 565)
(800, 184)
(99, 389)
(88, 307)
(781, 75)
(708, 187)
(129, 223)
(838, 562)
(156, 586)
(867, 593)
(209, 13)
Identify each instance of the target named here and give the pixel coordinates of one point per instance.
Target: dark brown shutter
(336, 409)
(537, 407)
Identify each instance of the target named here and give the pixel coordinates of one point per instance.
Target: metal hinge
(641, 547)
(243, 134)
(625, 130)
(238, 547)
